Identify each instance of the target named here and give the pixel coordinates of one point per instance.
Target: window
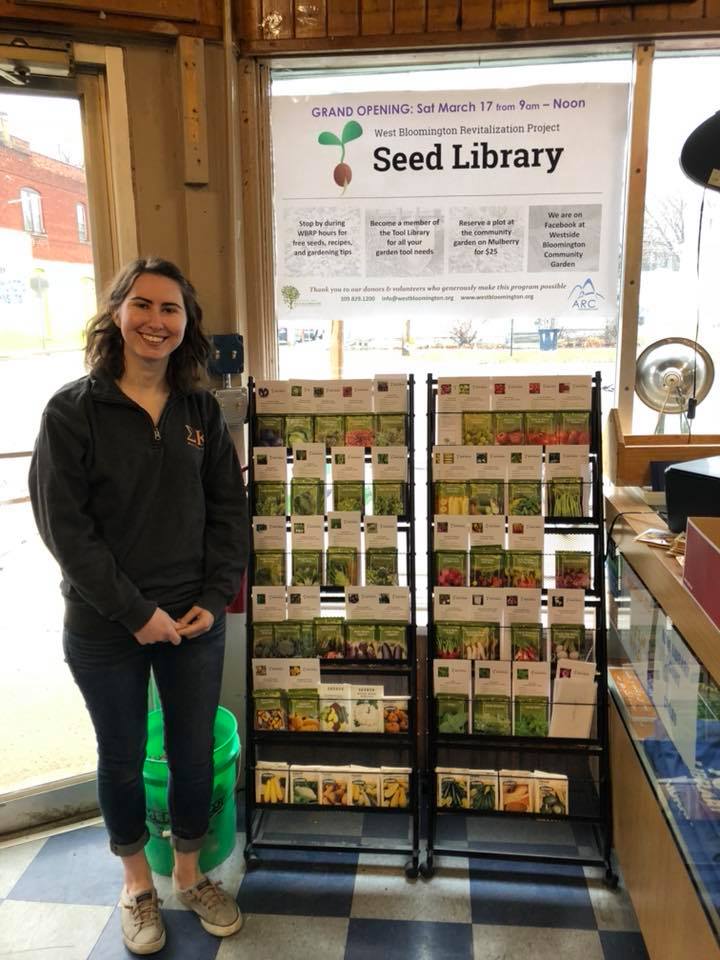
(32, 210)
(82, 227)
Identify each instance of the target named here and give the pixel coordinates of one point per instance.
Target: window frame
(32, 211)
(81, 221)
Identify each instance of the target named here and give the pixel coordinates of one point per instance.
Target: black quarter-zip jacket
(138, 516)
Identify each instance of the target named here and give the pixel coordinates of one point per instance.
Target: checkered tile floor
(58, 901)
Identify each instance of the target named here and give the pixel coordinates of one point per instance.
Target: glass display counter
(670, 706)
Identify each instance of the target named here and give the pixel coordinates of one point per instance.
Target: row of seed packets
(498, 623)
(493, 481)
(348, 786)
(288, 694)
(327, 552)
(514, 568)
(514, 698)
(511, 791)
(510, 411)
(309, 491)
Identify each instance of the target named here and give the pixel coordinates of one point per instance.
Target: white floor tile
(383, 892)
(613, 908)
(302, 938)
(230, 872)
(13, 862)
(540, 943)
(38, 931)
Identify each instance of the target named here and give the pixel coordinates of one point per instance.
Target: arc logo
(342, 174)
(584, 296)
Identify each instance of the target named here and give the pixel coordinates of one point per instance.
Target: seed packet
(306, 567)
(307, 497)
(359, 430)
(516, 791)
(269, 430)
(303, 711)
(263, 640)
(330, 430)
(509, 428)
(349, 495)
(452, 713)
(335, 707)
(573, 426)
(483, 790)
(491, 714)
(486, 497)
(567, 641)
(452, 790)
(305, 786)
(299, 429)
(572, 569)
(391, 641)
(272, 783)
(565, 497)
(329, 637)
(448, 641)
(381, 567)
(269, 710)
(306, 643)
(481, 641)
(523, 568)
(396, 718)
(341, 567)
(365, 788)
(540, 427)
(389, 498)
(367, 709)
(390, 430)
(487, 567)
(530, 716)
(287, 639)
(270, 498)
(524, 498)
(551, 793)
(451, 568)
(478, 429)
(394, 787)
(270, 568)
(526, 641)
(360, 640)
(451, 497)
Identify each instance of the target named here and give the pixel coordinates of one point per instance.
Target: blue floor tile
(72, 867)
(623, 945)
(186, 939)
(536, 895)
(301, 883)
(408, 940)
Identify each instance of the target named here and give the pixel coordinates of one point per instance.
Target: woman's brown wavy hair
(104, 343)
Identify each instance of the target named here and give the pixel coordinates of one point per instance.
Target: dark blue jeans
(113, 678)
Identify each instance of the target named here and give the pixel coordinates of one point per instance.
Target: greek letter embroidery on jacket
(195, 437)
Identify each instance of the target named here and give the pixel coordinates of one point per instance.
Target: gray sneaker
(142, 925)
(219, 913)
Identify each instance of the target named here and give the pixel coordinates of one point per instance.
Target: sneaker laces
(208, 892)
(145, 910)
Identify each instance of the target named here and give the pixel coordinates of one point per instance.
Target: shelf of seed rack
(517, 647)
(331, 625)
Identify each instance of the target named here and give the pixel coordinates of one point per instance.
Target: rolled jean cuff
(128, 849)
(185, 845)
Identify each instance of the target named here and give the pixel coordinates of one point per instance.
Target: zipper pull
(156, 433)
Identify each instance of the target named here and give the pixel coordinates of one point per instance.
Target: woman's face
(152, 319)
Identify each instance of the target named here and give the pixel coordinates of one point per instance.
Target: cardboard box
(702, 564)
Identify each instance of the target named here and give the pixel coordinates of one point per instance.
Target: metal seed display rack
(358, 664)
(491, 775)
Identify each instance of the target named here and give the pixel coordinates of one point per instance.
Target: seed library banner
(458, 205)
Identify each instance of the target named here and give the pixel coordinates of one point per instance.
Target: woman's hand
(160, 628)
(196, 621)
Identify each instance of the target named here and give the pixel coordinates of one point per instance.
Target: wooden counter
(669, 909)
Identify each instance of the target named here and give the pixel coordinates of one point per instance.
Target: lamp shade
(700, 155)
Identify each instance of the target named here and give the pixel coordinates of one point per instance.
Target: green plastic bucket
(220, 839)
